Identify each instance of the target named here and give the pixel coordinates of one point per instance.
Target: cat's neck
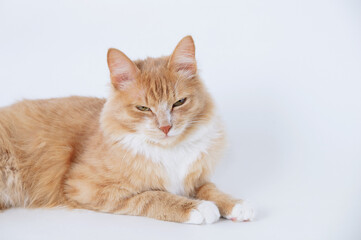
(176, 160)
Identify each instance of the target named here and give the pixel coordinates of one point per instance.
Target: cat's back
(53, 121)
(38, 140)
(55, 106)
(55, 113)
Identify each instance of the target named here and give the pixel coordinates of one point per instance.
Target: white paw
(206, 212)
(242, 212)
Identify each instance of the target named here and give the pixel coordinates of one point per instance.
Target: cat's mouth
(164, 140)
(159, 138)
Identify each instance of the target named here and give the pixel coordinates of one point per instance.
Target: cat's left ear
(183, 58)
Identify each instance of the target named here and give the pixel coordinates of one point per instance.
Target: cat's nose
(165, 129)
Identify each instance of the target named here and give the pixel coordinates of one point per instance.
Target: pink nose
(165, 129)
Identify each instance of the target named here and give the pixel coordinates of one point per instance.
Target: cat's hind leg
(11, 191)
(2, 207)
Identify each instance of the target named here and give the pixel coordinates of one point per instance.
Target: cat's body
(117, 156)
(39, 141)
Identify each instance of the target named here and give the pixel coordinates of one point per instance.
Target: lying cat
(147, 150)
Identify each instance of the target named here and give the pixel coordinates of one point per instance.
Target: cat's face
(160, 100)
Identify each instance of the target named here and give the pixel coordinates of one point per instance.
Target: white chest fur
(178, 159)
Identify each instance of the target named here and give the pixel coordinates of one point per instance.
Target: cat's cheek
(148, 126)
(205, 212)
(242, 212)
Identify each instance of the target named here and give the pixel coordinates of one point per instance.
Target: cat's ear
(183, 58)
(122, 70)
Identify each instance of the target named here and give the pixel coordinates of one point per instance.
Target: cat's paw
(205, 212)
(242, 212)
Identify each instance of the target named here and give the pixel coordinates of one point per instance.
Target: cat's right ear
(122, 70)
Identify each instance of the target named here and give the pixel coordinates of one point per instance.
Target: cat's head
(160, 100)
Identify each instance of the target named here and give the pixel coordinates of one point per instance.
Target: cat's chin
(164, 141)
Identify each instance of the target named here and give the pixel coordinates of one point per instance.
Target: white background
(285, 75)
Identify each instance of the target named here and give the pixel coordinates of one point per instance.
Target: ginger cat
(147, 150)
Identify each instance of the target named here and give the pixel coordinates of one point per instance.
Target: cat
(146, 150)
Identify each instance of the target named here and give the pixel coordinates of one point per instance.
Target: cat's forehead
(152, 64)
(159, 88)
(156, 81)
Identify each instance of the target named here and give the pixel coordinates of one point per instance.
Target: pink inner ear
(121, 79)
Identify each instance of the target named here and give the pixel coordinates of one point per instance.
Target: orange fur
(67, 151)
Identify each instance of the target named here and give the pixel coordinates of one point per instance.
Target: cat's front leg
(154, 204)
(230, 208)
(169, 207)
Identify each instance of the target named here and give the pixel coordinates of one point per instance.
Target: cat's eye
(179, 102)
(142, 108)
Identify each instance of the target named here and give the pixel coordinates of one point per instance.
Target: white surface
(286, 75)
